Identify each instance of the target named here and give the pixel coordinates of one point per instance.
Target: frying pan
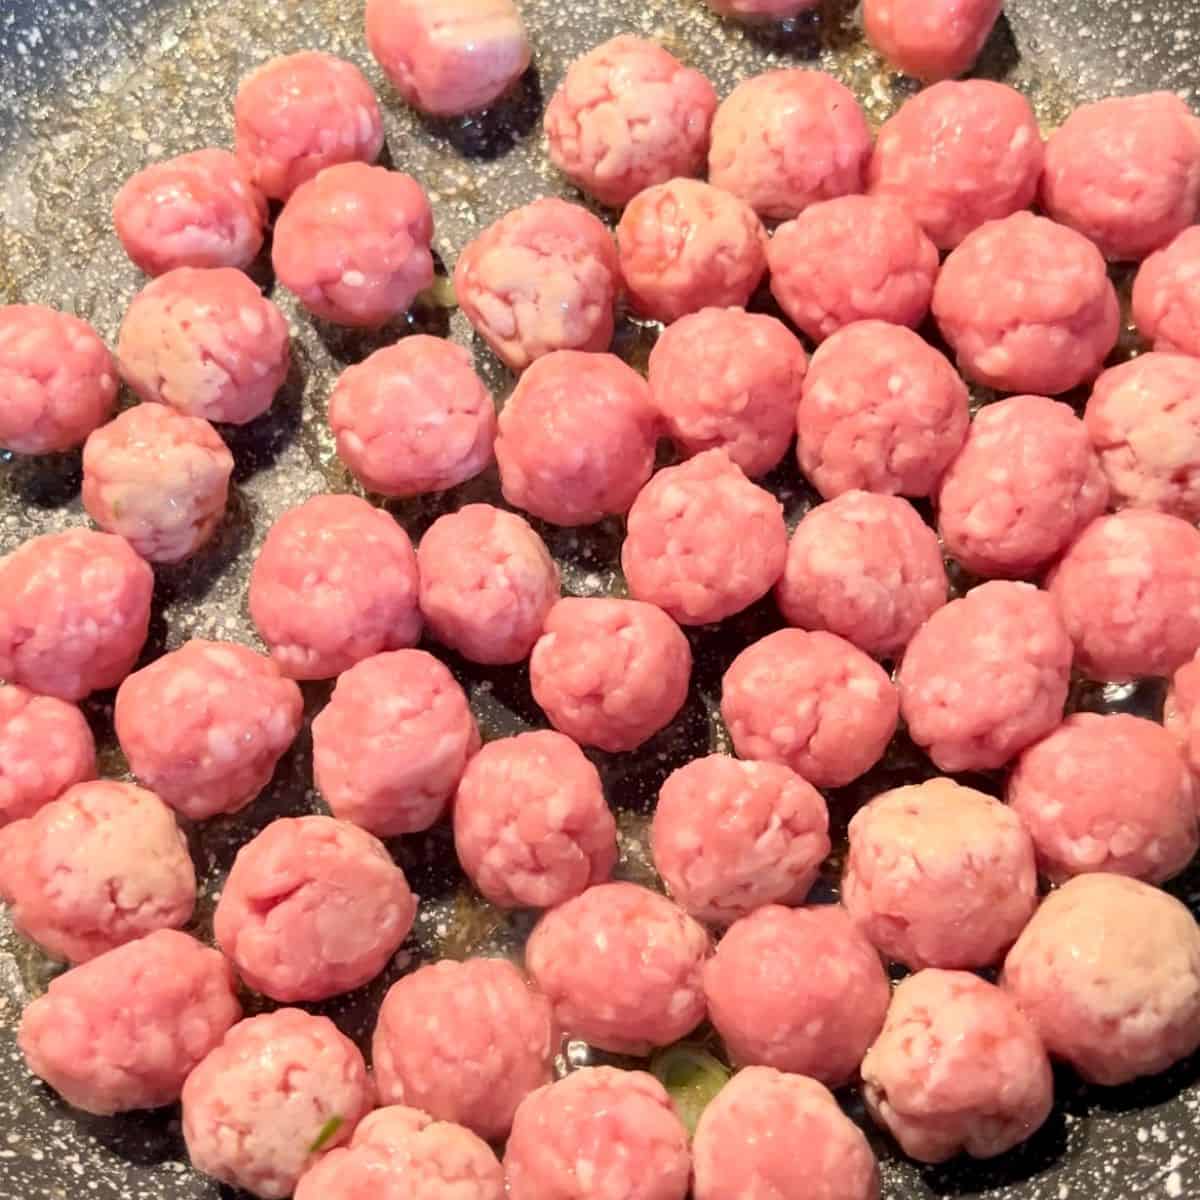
(91, 90)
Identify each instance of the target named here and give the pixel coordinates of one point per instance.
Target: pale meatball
(761, 10)
(931, 39)
(1181, 714)
(1166, 300)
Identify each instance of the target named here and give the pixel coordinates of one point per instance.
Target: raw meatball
(610, 673)
(939, 875)
(57, 377)
(74, 612)
(770, 10)
(1108, 970)
(1181, 714)
(531, 825)
(598, 1134)
(159, 479)
(865, 567)
(622, 967)
(277, 1092)
(207, 343)
(542, 278)
(932, 39)
(413, 418)
(958, 1068)
(198, 210)
(232, 717)
(684, 245)
(487, 584)
(313, 907)
(577, 438)
(703, 541)
(353, 244)
(812, 702)
(503, 1046)
(294, 116)
(1166, 300)
(787, 139)
(125, 1030)
(393, 742)
(1024, 486)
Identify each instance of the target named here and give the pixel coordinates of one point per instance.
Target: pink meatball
(685, 245)
(123, 1031)
(392, 744)
(610, 673)
(1108, 970)
(932, 39)
(1166, 301)
(1025, 485)
(769, 10)
(577, 438)
(207, 343)
(1181, 713)
(787, 139)
(279, 1090)
(57, 377)
(503, 1044)
(294, 116)
(74, 612)
(958, 1068)
(865, 567)
(232, 717)
(313, 907)
(413, 418)
(703, 541)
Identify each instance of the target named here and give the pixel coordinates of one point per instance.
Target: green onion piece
(439, 294)
(692, 1078)
(327, 1134)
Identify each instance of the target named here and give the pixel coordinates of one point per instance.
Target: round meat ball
(123, 1031)
(622, 967)
(503, 1048)
(610, 673)
(768, 10)
(703, 542)
(393, 742)
(933, 40)
(353, 244)
(313, 907)
(413, 418)
(57, 377)
(232, 717)
(1108, 971)
(1181, 714)
(1166, 301)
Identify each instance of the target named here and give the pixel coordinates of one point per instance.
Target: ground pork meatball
(57, 377)
(769, 10)
(392, 744)
(622, 967)
(577, 438)
(1024, 486)
(959, 1068)
(1181, 714)
(207, 343)
(503, 1048)
(313, 907)
(1166, 301)
(931, 40)
(1108, 970)
(294, 116)
(413, 418)
(787, 139)
(124, 1031)
(531, 825)
(74, 612)
(598, 1134)
(543, 278)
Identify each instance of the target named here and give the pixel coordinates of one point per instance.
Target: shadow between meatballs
(491, 134)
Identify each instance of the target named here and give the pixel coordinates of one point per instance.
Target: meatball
(610, 673)
(503, 1046)
(812, 702)
(865, 567)
(1181, 714)
(393, 742)
(74, 612)
(1108, 971)
(622, 967)
(787, 139)
(413, 418)
(958, 1068)
(123, 1031)
(313, 907)
(1024, 486)
(542, 278)
(1166, 302)
(703, 541)
(207, 343)
(57, 377)
(577, 438)
(932, 40)
(769, 10)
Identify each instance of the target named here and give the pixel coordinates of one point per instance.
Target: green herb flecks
(328, 1132)
(692, 1078)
